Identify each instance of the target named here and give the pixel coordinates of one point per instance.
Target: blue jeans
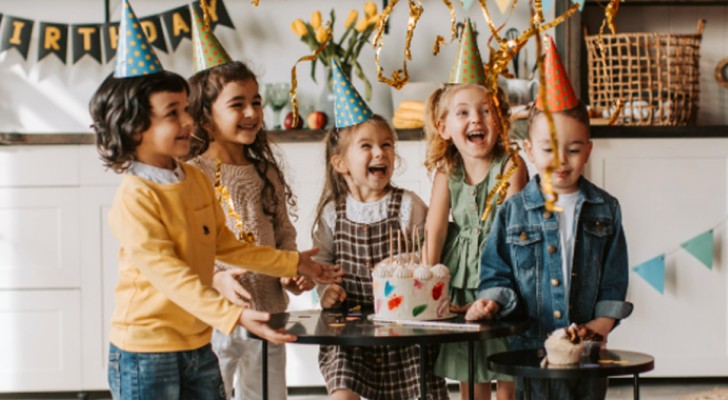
(193, 374)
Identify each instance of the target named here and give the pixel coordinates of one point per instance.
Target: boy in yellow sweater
(171, 230)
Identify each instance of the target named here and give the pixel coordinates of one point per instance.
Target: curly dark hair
(205, 87)
(120, 110)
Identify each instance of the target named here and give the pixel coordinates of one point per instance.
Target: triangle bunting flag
(653, 272)
(701, 247)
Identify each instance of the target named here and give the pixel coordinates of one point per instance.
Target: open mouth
(378, 170)
(248, 125)
(476, 136)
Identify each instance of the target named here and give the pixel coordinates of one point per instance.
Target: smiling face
(168, 135)
(469, 123)
(574, 149)
(367, 163)
(237, 115)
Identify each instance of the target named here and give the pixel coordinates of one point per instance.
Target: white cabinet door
(39, 245)
(99, 275)
(39, 340)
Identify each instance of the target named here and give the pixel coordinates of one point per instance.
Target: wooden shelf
(287, 136)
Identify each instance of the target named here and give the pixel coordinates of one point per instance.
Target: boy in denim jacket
(558, 268)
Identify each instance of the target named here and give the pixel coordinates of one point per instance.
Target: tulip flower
(321, 34)
(351, 19)
(316, 20)
(370, 9)
(299, 28)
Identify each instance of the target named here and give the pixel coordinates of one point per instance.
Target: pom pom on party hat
(349, 108)
(134, 55)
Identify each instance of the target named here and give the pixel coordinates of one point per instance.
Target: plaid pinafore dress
(374, 372)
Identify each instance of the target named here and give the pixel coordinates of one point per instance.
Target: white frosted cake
(411, 291)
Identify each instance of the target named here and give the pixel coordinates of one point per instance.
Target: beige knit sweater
(246, 187)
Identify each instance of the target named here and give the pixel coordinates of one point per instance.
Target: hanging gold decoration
(497, 65)
(400, 77)
(294, 78)
(439, 40)
(205, 14)
(226, 201)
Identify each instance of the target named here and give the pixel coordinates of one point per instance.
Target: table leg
(264, 365)
(636, 387)
(527, 388)
(471, 370)
(423, 372)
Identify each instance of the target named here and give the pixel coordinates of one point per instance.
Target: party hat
(134, 55)
(208, 52)
(560, 95)
(468, 67)
(349, 107)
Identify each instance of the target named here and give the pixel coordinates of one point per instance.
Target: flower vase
(325, 102)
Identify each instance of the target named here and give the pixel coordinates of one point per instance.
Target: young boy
(171, 230)
(558, 268)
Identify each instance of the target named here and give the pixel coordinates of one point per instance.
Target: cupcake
(564, 346)
(592, 341)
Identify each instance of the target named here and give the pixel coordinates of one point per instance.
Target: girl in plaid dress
(358, 209)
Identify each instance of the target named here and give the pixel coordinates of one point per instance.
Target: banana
(406, 123)
(408, 114)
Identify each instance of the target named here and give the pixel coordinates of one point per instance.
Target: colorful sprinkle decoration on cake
(419, 309)
(388, 289)
(437, 290)
(394, 302)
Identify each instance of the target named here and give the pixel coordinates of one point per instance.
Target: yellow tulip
(353, 15)
(373, 20)
(370, 9)
(316, 19)
(362, 25)
(298, 27)
(321, 34)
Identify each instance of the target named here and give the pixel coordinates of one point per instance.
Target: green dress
(465, 240)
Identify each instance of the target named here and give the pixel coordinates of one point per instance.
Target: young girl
(467, 157)
(358, 209)
(171, 230)
(231, 142)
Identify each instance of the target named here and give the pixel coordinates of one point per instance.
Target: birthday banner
(98, 40)
(699, 246)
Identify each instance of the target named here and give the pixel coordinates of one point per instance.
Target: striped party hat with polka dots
(134, 54)
(349, 107)
(468, 67)
(208, 52)
(560, 96)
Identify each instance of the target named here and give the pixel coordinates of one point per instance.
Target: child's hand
(460, 309)
(324, 274)
(601, 326)
(332, 296)
(227, 283)
(255, 322)
(298, 284)
(482, 309)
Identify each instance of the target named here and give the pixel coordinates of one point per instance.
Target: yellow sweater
(170, 235)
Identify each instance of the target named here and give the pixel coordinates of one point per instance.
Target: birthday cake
(405, 289)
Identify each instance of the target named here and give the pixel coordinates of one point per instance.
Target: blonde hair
(442, 155)
(337, 141)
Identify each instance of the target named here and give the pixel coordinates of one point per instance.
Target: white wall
(49, 97)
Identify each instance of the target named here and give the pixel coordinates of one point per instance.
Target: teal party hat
(134, 54)
(349, 107)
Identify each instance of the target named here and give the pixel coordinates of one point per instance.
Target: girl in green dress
(467, 156)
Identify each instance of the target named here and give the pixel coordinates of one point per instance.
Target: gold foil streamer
(439, 40)
(205, 14)
(497, 65)
(226, 201)
(255, 2)
(294, 79)
(400, 77)
(617, 112)
(610, 12)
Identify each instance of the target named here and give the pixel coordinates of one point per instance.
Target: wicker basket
(657, 75)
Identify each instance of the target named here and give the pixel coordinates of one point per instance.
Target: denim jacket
(521, 269)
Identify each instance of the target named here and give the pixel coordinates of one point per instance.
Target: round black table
(357, 329)
(528, 364)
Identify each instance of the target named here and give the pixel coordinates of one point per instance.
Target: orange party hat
(560, 95)
(468, 66)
